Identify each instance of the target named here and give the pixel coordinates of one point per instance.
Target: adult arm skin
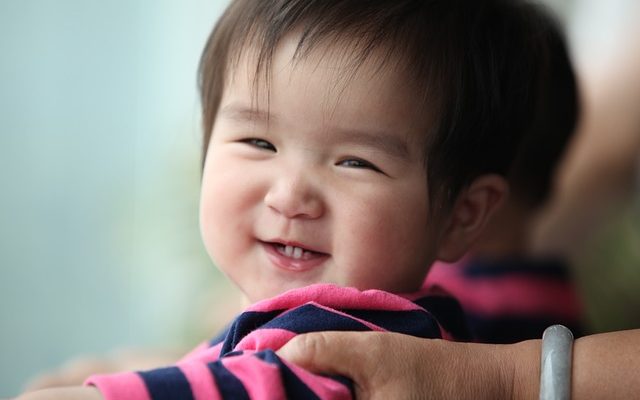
(390, 365)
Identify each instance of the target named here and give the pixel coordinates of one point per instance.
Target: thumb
(341, 353)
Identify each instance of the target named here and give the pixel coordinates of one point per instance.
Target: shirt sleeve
(237, 375)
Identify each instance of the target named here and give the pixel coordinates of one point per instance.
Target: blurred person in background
(593, 219)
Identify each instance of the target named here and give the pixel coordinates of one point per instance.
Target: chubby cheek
(389, 242)
(212, 203)
(225, 206)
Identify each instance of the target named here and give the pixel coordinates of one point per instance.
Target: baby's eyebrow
(387, 143)
(242, 113)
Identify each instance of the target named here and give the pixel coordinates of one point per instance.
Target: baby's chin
(258, 293)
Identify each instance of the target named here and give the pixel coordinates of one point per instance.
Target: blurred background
(99, 175)
(99, 181)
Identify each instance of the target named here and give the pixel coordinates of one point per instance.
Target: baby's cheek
(367, 239)
(387, 241)
(207, 212)
(215, 223)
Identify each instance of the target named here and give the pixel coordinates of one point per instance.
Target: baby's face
(326, 184)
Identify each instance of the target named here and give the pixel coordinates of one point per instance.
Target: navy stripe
(546, 268)
(293, 386)
(448, 312)
(512, 329)
(228, 385)
(167, 384)
(244, 324)
(414, 322)
(310, 318)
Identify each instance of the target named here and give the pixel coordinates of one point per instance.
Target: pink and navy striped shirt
(511, 299)
(242, 363)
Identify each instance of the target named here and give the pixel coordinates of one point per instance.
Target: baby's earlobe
(472, 210)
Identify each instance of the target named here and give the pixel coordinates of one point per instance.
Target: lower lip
(291, 264)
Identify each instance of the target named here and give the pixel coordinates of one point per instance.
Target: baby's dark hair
(479, 68)
(545, 141)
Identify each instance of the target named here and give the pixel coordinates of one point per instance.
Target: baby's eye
(358, 163)
(260, 143)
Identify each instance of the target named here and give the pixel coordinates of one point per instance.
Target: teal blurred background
(99, 176)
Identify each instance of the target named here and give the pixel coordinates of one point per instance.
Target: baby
(348, 144)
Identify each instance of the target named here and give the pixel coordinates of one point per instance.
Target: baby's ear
(472, 210)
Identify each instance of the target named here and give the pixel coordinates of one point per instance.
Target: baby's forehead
(349, 89)
(341, 58)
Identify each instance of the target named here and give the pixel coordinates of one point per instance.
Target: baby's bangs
(381, 34)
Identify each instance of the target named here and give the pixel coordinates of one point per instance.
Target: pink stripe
(203, 353)
(261, 339)
(368, 324)
(260, 379)
(508, 295)
(263, 380)
(199, 349)
(323, 387)
(336, 297)
(200, 380)
(125, 385)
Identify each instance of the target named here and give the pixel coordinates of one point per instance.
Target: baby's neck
(507, 234)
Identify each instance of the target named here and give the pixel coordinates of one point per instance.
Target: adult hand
(396, 366)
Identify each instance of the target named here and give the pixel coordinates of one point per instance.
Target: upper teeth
(293, 251)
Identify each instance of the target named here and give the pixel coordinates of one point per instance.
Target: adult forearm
(607, 366)
(604, 366)
(390, 365)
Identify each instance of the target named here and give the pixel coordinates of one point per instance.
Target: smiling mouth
(295, 252)
(292, 257)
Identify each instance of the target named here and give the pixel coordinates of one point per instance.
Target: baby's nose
(295, 197)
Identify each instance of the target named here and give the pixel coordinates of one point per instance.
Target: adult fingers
(329, 352)
(351, 354)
